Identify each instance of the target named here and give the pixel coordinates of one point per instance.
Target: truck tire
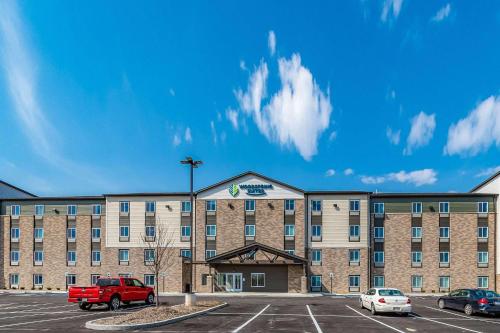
(114, 303)
(84, 306)
(150, 299)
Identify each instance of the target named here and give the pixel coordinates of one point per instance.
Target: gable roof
(255, 247)
(249, 173)
(23, 193)
(486, 181)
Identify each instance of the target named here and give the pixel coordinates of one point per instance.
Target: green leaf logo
(234, 190)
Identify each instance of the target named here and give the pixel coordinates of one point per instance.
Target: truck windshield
(108, 282)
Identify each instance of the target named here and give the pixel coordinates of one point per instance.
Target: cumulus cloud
(214, 131)
(348, 172)
(393, 136)
(329, 173)
(243, 66)
(187, 135)
(442, 13)
(477, 132)
(488, 171)
(417, 177)
(390, 9)
(271, 42)
(176, 140)
(421, 132)
(232, 116)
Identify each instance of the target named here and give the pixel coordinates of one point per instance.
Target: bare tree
(158, 253)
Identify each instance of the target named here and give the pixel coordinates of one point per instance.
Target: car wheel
(150, 299)
(405, 314)
(114, 303)
(373, 310)
(441, 304)
(468, 310)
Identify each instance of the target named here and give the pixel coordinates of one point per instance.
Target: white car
(385, 300)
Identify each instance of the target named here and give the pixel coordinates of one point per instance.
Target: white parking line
(464, 316)
(450, 325)
(377, 321)
(250, 320)
(313, 319)
(46, 320)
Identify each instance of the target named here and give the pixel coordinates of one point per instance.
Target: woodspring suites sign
(250, 189)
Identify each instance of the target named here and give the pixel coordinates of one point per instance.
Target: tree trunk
(157, 298)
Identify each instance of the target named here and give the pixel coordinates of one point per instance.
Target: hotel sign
(251, 189)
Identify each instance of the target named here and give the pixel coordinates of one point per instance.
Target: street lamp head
(189, 160)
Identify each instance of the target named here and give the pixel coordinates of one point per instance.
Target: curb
(93, 326)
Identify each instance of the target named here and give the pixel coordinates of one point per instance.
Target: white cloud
(417, 177)
(243, 66)
(348, 172)
(329, 173)
(250, 101)
(271, 42)
(214, 131)
(391, 8)
(393, 136)
(442, 13)
(176, 140)
(187, 135)
(422, 130)
(332, 136)
(232, 116)
(488, 172)
(477, 132)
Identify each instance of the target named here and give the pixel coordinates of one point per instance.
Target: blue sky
(393, 95)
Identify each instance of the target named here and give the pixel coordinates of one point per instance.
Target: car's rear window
(390, 292)
(108, 282)
(486, 293)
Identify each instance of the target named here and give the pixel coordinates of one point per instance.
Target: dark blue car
(471, 301)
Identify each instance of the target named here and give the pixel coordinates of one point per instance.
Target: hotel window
(354, 231)
(124, 231)
(186, 206)
(186, 231)
(316, 256)
(71, 233)
(316, 281)
(14, 257)
(258, 280)
(482, 232)
(444, 232)
(71, 256)
(482, 257)
(211, 205)
(353, 281)
(125, 275)
(149, 280)
(149, 255)
(250, 230)
(482, 207)
(38, 256)
(416, 257)
(378, 281)
(14, 280)
(316, 205)
(14, 234)
(71, 210)
(186, 253)
(38, 233)
(316, 230)
(354, 256)
(444, 257)
(378, 208)
(96, 257)
(211, 230)
(416, 232)
(96, 233)
(38, 280)
(378, 257)
(15, 210)
(249, 205)
(123, 255)
(150, 231)
(378, 232)
(71, 279)
(444, 207)
(289, 230)
(96, 209)
(416, 281)
(416, 207)
(124, 207)
(210, 254)
(289, 204)
(444, 282)
(354, 205)
(39, 210)
(482, 282)
(150, 206)
(94, 278)
(292, 252)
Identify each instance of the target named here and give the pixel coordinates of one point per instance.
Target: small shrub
(58, 288)
(49, 288)
(22, 288)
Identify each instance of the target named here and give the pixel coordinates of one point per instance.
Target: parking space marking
(464, 316)
(375, 320)
(450, 325)
(46, 320)
(313, 319)
(250, 320)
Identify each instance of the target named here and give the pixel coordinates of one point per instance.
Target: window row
(416, 258)
(417, 282)
(353, 281)
(417, 232)
(416, 207)
(150, 207)
(15, 210)
(354, 257)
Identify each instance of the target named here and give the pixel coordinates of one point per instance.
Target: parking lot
(28, 312)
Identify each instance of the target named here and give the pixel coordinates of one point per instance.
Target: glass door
(232, 282)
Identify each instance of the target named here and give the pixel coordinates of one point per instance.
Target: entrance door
(233, 282)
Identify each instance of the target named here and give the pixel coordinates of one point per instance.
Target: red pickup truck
(111, 291)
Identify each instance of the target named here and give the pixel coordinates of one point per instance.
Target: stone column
(210, 283)
(303, 284)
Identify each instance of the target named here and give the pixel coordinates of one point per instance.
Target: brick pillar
(303, 284)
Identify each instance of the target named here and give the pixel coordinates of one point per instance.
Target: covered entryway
(258, 268)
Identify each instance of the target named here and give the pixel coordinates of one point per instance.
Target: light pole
(190, 299)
